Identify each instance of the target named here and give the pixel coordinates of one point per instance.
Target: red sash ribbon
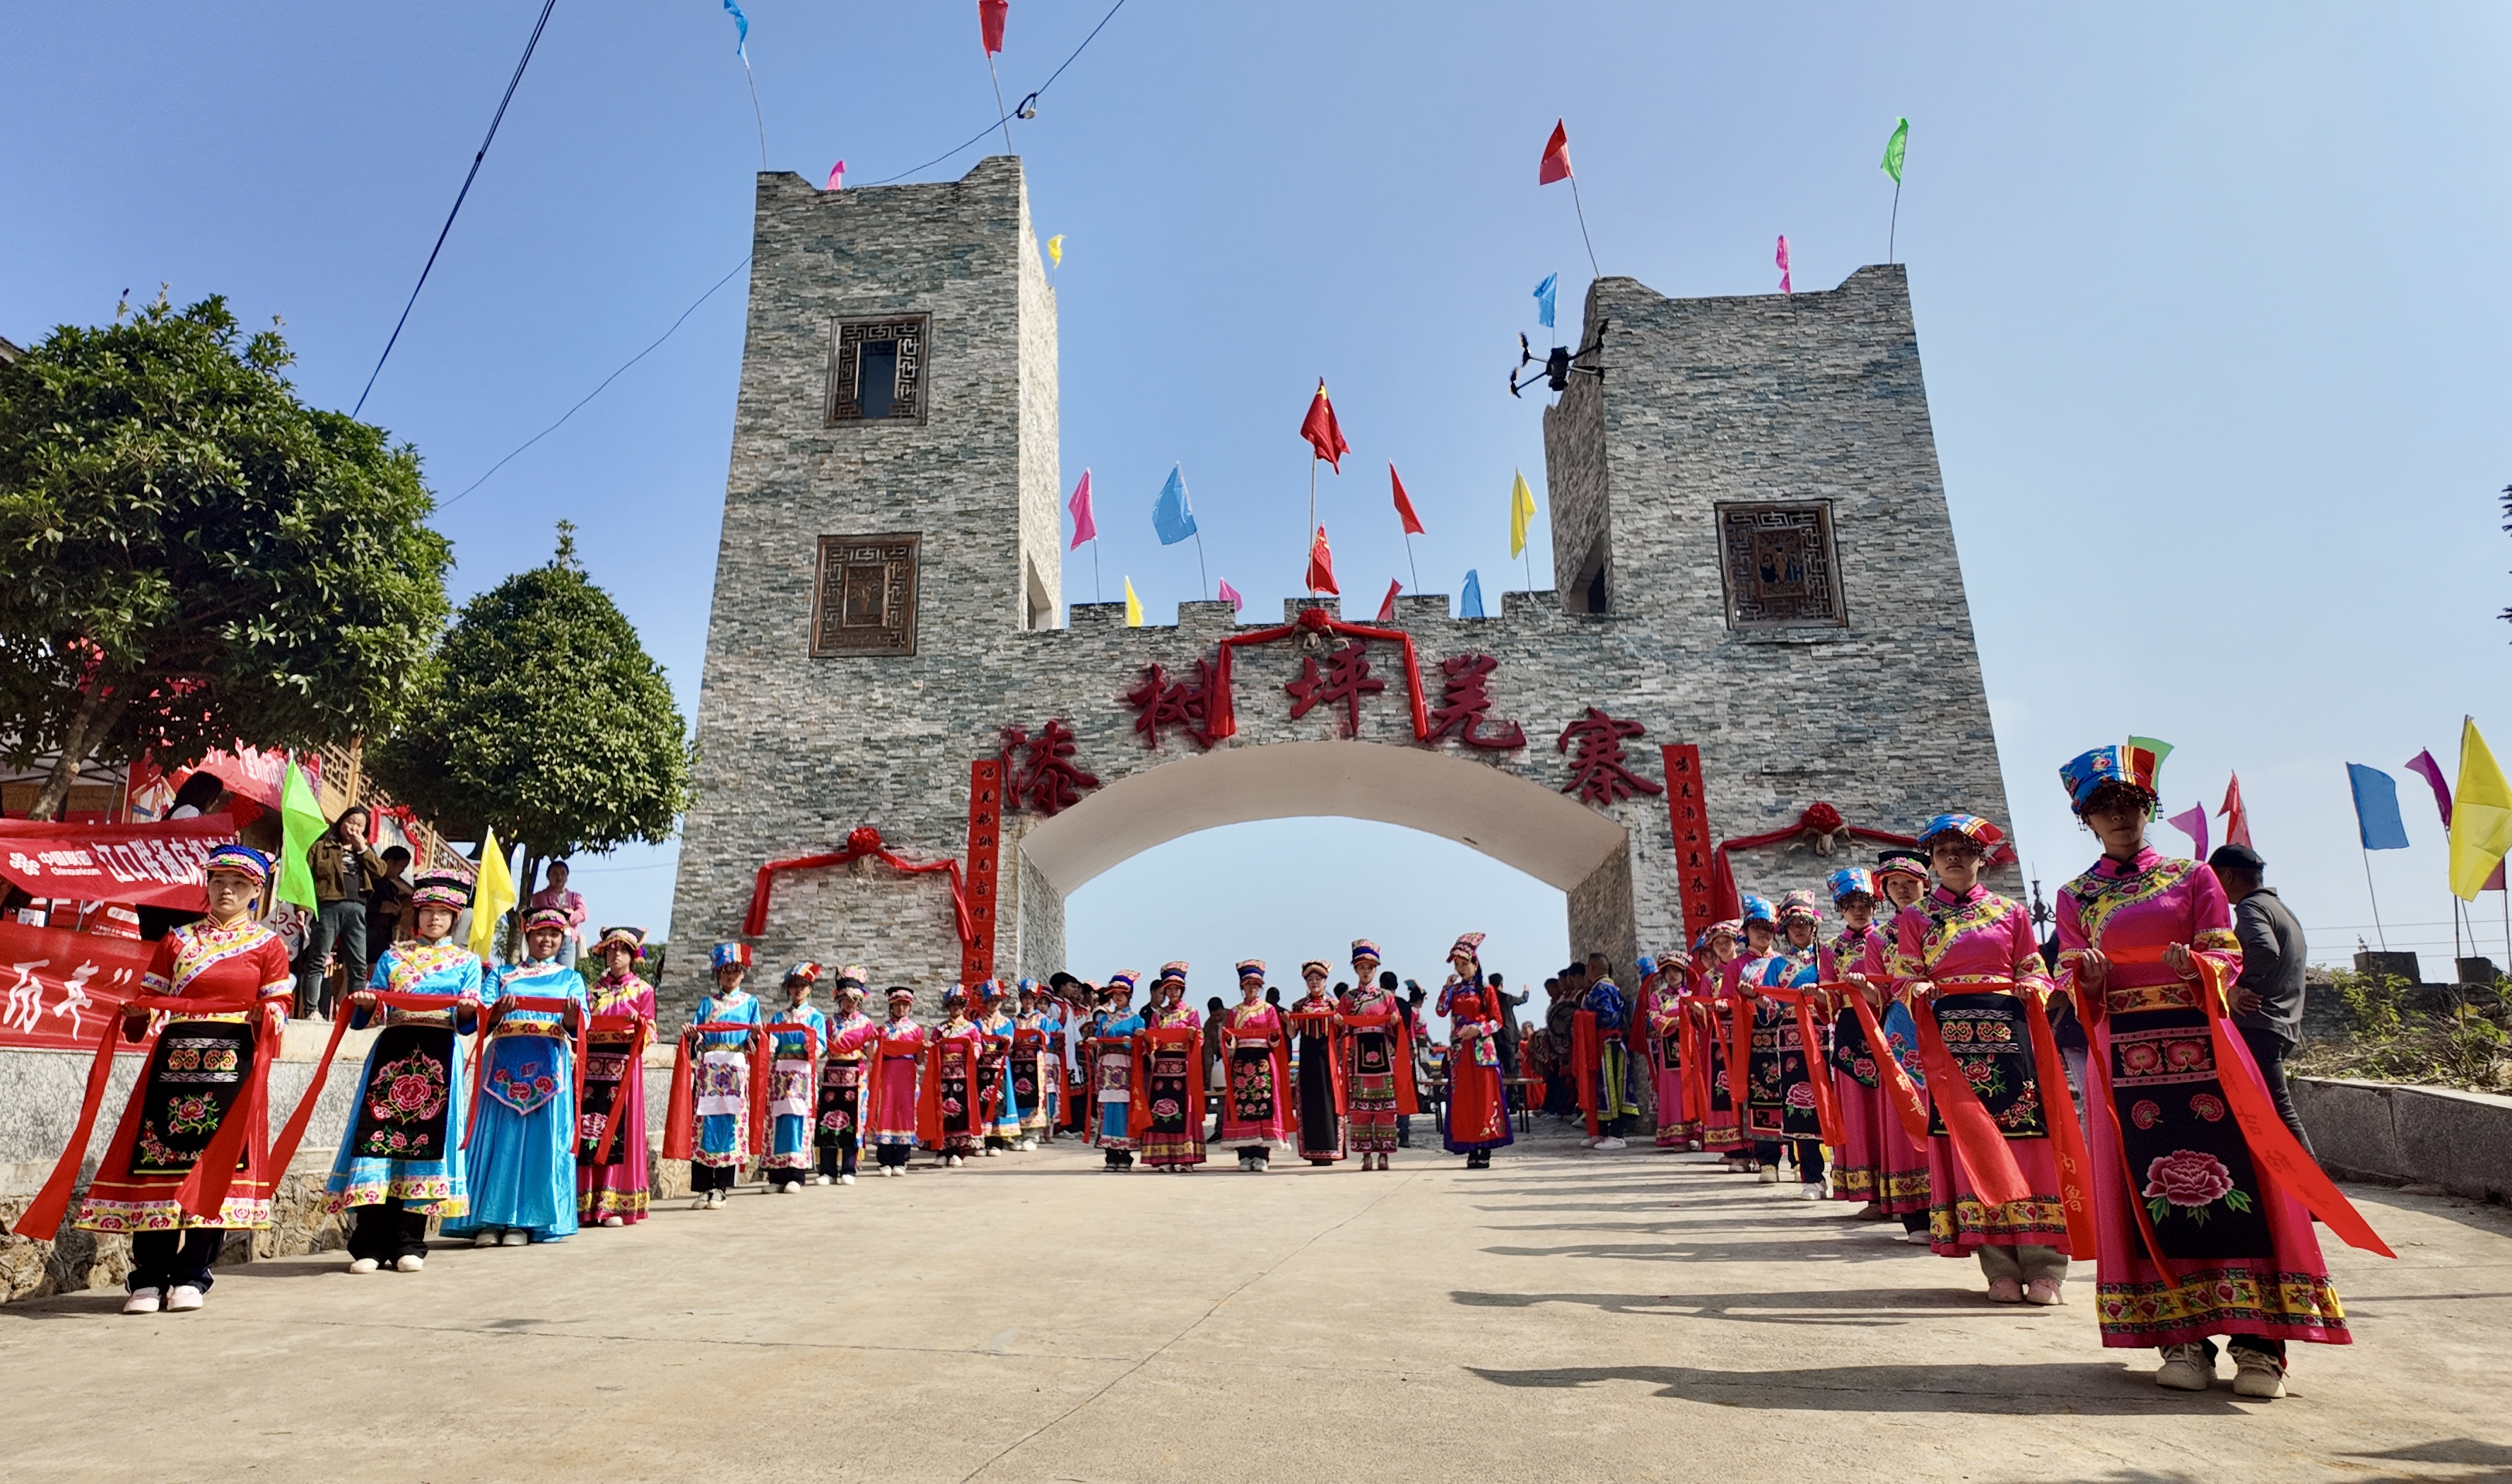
(545, 1003)
(1587, 1064)
(679, 1116)
(1399, 1054)
(1826, 1099)
(634, 1027)
(1897, 1087)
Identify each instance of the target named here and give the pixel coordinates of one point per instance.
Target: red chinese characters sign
(1689, 813)
(985, 849)
(150, 865)
(58, 989)
(1600, 771)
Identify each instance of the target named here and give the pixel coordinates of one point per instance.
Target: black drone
(1558, 366)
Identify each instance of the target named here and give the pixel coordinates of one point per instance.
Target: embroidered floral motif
(2190, 1181)
(2207, 1105)
(406, 1092)
(2146, 1113)
(2099, 896)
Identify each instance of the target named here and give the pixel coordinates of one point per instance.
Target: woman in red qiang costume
(1660, 1011)
(890, 1095)
(1378, 1076)
(1967, 956)
(1256, 1062)
(2200, 1236)
(1316, 1025)
(205, 1071)
(1475, 1119)
(1166, 1114)
(1712, 1007)
(1783, 1107)
(611, 1185)
(1857, 1075)
(952, 1093)
(1901, 1160)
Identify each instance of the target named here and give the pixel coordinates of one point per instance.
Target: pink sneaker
(2005, 1291)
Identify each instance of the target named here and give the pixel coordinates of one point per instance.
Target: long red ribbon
(544, 1004)
(1898, 1089)
(1586, 1059)
(679, 1116)
(1980, 1146)
(613, 1025)
(1826, 1102)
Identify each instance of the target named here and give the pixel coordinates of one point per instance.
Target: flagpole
(2377, 931)
(1593, 270)
(756, 116)
(1891, 231)
(1198, 566)
(1001, 116)
(1308, 537)
(1416, 570)
(1097, 595)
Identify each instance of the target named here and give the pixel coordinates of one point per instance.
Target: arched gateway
(1758, 612)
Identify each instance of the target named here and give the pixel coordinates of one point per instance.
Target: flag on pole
(1893, 148)
(1556, 153)
(1133, 606)
(1521, 510)
(2424, 765)
(2155, 745)
(741, 30)
(493, 895)
(2192, 822)
(836, 176)
(1784, 264)
(2481, 818)
(1403, 505)
(1321, 566)
(1323, 433)
(2237, 820)
(300, 824)
(1386, 605)
(1173, 518)
(1055, 250)
(2376, 808)
(1085, 527)
(1470, 604)
(991, 14)
(1544, 299)
(1230, 596)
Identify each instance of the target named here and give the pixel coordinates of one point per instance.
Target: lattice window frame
(1820, 606)
(847, 560)
(915, 334)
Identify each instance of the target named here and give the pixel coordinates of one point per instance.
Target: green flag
(1893, 148)
(300, 824)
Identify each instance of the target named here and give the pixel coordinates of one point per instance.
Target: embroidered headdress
(1175, 969)
(1316, 966)
(730, 956)
(450, 891)
(1903, 860)
(853, 974)
(807, 971)
(1758, 910)
(1800, 905)
(1362, 948)
(1851, 881)
(631, 938)
(1251, 968)
(1970, 827)
(1123, 980)
(544, 918)
(899, 992)
(2120, 762)
(1645, 964)
(1469, 943)
(243, 860)
(1731, 927)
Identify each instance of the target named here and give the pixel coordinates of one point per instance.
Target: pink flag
(1784, 264)
(1230, 595)
(2193, 824)
(2424, 765)
(1386, 606)
(1085, 529)
(836, 176)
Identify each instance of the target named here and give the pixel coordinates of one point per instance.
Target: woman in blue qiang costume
(799, 1037)
(721, 1079)
(521, 1155)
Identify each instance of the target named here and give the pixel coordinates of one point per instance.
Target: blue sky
(2210, 303)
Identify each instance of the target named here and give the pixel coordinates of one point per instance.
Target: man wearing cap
(799, 1037)
(838, 1127)
(722, 1078)
(2267, 997)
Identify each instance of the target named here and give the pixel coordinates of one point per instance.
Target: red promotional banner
(58, 989)
(152, 865)
(1688, 811)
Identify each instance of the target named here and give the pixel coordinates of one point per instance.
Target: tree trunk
(98, 711)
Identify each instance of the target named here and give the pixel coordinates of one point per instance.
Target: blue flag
(2376, 808)
(741, 25)
(1171, 516)
(1470, 606)
(1543, 293)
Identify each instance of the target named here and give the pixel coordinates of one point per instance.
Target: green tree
(541, 716)
(190, 556)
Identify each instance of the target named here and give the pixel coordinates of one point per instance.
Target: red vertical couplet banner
(1689, 813)
(985, 848)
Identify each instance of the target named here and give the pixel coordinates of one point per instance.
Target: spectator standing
(1504, 1004)
(388, 901)
(341, 864)
(2267, 997)
(556, 897)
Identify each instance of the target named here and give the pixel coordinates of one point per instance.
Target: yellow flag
(1133, 606)
(1055, 250)
(2481, 816)
(1521, 510)
(491, 895)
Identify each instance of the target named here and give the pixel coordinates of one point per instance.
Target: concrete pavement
(1564, 1316)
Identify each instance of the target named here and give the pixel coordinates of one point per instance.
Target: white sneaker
(411, 1263)
(1609, 1142)
(1592, 1141)
(515, 1236)
(2186, 1368)
(841, 1179)
(2254, 1375)
(824, 1179)
(487, 1238)
(1770, 1174)
(614, 1221)
(1809, 1191)
(715, 1201)
(699, 1203)
(142, 1300)
(365, 1264)
(185, 1298)
(992, 1151)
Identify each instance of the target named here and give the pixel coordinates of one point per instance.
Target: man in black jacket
(2268, 998)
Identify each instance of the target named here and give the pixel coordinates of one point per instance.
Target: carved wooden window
(864, 599)
(1780, 566)
(877, 370)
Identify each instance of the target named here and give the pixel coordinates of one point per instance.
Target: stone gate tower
(1751, 556)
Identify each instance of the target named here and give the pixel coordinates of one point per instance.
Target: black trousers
(1809, 1157)
(892, 1156)
(711, 1177)
(839, 1159)
(387, 1231)
(340, 930)
(2269, 1051)
(170, 1260)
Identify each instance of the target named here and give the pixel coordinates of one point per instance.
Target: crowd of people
(1925, 1058)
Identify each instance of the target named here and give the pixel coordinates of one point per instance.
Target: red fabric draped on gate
(1222, 719)
(1819, 826)
(861, 842)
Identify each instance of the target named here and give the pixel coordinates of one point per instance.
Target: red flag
(1403, 506)
(1323, 433)
(1321, 566)
(1556, 157)
(991, 14)
(1386, 607)
(2237, 829)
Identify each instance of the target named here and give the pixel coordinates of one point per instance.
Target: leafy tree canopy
(190, 557)
(541, 716)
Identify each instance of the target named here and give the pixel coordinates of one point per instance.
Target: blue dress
(1114, 1083)
(523, 1150)
(791, 1079)
(723, 1080)
(404, 1135)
